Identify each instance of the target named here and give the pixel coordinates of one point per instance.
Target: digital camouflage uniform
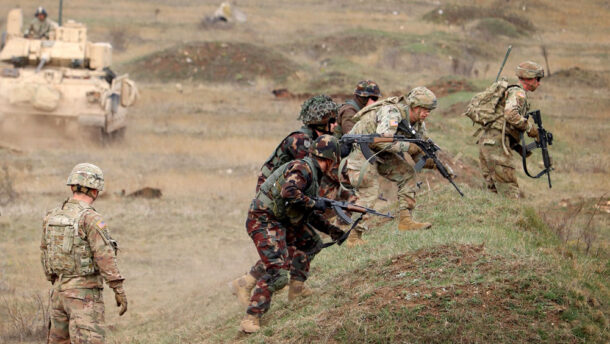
(383, 118)
(495, 160)
(77, 313)
(278, 221)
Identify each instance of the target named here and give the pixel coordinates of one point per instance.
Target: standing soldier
(494, 158)
(78, 253)
(318, 114)
(41, 26)
(382, 118)
(278, 218)
(366, 93)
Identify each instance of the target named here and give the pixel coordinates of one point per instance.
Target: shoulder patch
(101, 224)
(393, 123)
(307, 143)
(521, 94)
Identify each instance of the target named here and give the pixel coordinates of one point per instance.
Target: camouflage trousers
(365, 179)
(497, 167)
(283, 250)
(77, 316)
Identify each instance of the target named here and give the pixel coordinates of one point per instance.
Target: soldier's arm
(43, 252)
(515, 102)
(388, 118)
(347, 119)
(297, 145)
(298, 177)
(104, 255)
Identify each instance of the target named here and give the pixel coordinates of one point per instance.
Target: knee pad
(278, 280)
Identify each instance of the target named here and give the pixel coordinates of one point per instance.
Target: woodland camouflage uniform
(78, 254)
(495, 159)
(382, 118)
(278, 221)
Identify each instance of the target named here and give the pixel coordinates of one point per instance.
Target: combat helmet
(529, 70)
(326, 147)
(318, 110)
(40, 10)
(367, 88)
(422, 97)
(86, 175)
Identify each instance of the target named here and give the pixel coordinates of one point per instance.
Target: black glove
(321, 204)
(335, 233)
(345, 150)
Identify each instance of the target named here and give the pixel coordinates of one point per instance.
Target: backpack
(483, 107)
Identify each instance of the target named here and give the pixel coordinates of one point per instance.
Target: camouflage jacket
(515, 106)
(93, 238)
(40, 29)
(382, 118)
(294, 146)
(289, 194)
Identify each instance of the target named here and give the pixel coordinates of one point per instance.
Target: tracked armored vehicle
(65, 78)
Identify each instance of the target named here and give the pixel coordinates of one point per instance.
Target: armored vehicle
(65, 77)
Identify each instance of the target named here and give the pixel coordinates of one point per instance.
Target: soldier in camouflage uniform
(318, 114)
(366, 93)
(383, 118)
(278, 223)
(494, 158)
(41, 26)
(78, 254)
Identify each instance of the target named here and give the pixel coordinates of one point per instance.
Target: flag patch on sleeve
(101, 224)
(393, 123)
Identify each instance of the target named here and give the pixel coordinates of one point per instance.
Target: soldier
(78, 253)
(40, 26)
(278, 223)
(495, 160)
(366, 93)
(319, 117)
(383, 118)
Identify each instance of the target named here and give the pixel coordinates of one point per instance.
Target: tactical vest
(67, 254)
(279, 158)
(270, 193)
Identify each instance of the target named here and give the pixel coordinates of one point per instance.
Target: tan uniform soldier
(495, 156)
(78, 254)
(41, 26)
(382, 118)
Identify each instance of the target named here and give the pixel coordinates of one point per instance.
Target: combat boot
(242, 288)
(407, 224)
(250, 323)
(355, 239)
(298, 289)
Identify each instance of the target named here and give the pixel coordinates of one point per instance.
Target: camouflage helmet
(367, 88)
(318, 110)
(40, 10)
(529, 70)
(422, 97)
(87, 175)
(326, 147)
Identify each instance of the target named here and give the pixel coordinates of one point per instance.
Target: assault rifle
(428, 147)
(340, 207)
(545, 139)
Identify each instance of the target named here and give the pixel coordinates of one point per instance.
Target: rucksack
(482, 108)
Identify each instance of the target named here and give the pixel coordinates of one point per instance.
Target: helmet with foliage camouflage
(529, 70)
(87, 175)
(318, 110)
(422, 97)
(40, 10)
(326, 147)
(367, 88)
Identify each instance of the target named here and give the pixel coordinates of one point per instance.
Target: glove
(335, 233)
(532, 131)
(413, 149)
(121, 299)
(345, 150)
(321, 204)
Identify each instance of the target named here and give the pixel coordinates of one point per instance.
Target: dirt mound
(451, 293)
(445, 86)
(576, 76)
(213, 61)
(458, 15)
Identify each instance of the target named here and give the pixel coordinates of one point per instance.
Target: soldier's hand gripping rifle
(545, 139)
(428, 147)
(340, 207)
